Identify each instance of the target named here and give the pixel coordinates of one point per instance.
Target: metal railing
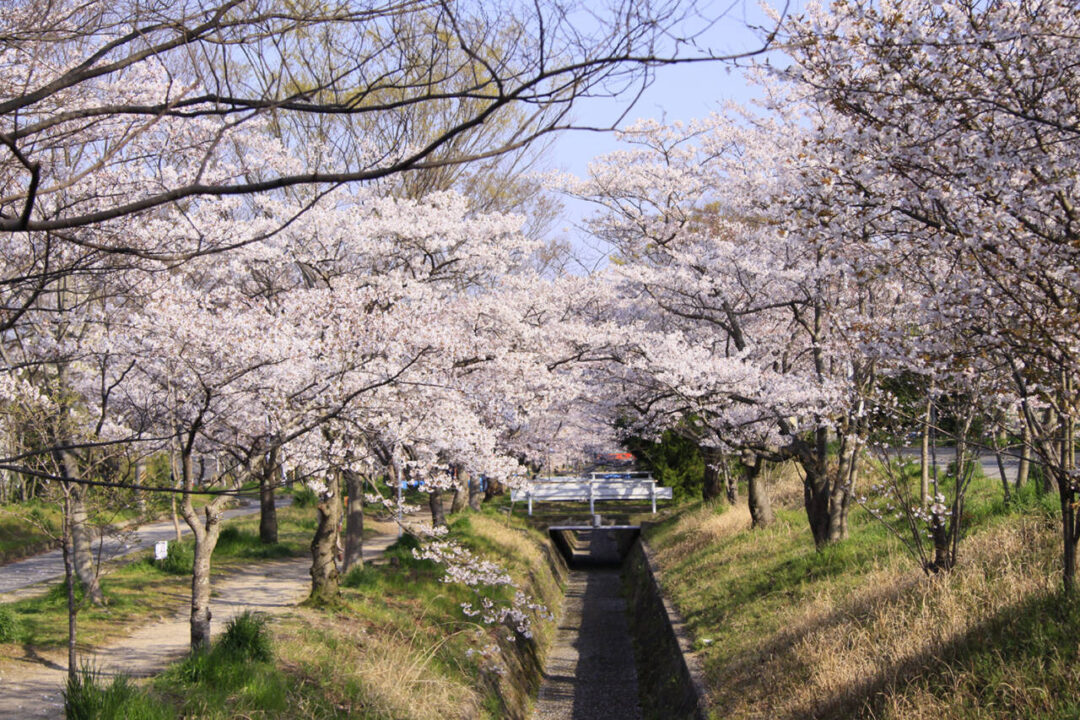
(598, 486)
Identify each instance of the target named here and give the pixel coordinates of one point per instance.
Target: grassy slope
(858, 631)
(32, 527)
(27, 529)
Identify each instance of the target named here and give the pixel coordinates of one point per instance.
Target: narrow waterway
(590, 673)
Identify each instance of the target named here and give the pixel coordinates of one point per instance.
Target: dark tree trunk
(178, 483)
(461, 490)
(492, 489)
(817, 491)
(82, 542)
(712, 485)
(324, 571)
(842, 487)
(1024, 470)
(268, 524)
(83, 545)
(354, 521)
(69, 577)
(940, 537)
(999, 444)
(205, 525)
(476, 495)
(761, 514)
(816, 502)
(200, 582)
(924, 457)
(140, 480)
(1067, 493)
(435, 503)
(460, 500)
(827, 498)
(1048, 456)
(1069, 532)
(731, 483)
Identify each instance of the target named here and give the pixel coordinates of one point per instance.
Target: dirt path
(31, 685)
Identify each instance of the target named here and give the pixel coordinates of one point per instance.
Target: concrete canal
(590, 670)
(619, 652)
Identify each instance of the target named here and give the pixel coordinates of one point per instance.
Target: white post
(652, 494)
(529, 495)
(592, 509)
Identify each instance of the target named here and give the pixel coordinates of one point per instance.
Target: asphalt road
(946, 455)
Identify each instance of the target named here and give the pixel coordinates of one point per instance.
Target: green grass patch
(27, 529)
(239, 538)
(11, 628)
(304, 497)
(235, 678)
(144, 588)
(179, 559)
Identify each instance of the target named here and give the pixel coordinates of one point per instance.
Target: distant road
(946, 455)
(50, 565)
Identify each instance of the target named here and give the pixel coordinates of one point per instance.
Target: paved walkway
(31, 685)
(24, 578)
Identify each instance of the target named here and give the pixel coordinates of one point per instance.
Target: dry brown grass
(878, 640)
(899, 623)
(399, 648)
(784, 484)
(387, 674)
(531, 569)
(703, 527)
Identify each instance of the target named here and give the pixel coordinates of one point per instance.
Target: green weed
(87, 697)
(247, 638)
(180, 559)
(11, 629)
(304, 497)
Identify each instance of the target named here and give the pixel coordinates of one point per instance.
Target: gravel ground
(590, 672)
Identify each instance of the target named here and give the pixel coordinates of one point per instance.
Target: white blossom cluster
(462, 566)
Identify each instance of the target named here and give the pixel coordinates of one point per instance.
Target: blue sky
(679, 93)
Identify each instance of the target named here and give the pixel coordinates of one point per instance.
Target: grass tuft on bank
(857, 631)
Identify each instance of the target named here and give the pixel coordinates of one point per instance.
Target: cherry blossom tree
(745, 314)
(92, 87)
(957, 140)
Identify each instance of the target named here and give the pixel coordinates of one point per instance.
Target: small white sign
(161, 549)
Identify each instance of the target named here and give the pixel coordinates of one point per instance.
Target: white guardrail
(598, 486)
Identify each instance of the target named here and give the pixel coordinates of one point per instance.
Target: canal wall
(669, 673)
(664, 674)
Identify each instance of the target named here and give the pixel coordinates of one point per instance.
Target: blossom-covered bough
(895, 239)
(212, 251)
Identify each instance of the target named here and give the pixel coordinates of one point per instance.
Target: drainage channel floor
(590, 672)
